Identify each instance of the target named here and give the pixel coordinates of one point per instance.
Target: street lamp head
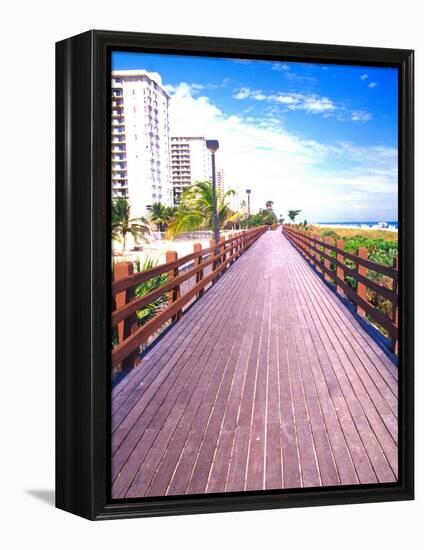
(248, 191)
(212, 145)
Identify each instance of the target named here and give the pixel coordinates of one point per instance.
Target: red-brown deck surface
(267, 382)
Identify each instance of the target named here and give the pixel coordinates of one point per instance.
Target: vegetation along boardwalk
(268, 381)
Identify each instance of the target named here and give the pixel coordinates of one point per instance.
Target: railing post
(197, 247)
(318, 253)
(231, 248)
(300, 241)
(308, 248)
(212, 244)
(361, 289)
(223, 255)
(234, 247)
(340, 270)
(395, 307)
(125, 328)
(327, 240)
(175, 293)
(314, 249)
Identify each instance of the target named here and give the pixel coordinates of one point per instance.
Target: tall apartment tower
(140, 140)
(190, 162)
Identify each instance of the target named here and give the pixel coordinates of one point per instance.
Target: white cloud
(170, 88)
(364, 77)
(362, 116)
(315, 104)
(280, 67)
(372, 85)
(311, 103)
(305, 78)
(325, 181)
(286, 99)
(242, 61)
(242, 93)
(289, 74)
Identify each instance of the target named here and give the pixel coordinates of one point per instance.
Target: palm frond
(233, 217)
(195, 211)
(150, 310)
(186, 220)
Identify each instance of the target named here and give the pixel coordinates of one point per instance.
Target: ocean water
(389, 226)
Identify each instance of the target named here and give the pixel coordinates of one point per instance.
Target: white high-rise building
(140, 140)
(190, 162)
(234, 201)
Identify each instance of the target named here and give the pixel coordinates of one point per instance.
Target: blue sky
(321, 138)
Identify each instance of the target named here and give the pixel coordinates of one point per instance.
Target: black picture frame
(83, 280)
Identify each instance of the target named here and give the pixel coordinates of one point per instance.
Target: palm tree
(152, 309)
(293, 214)
(122, 223)
(196, 209)
(244, 214)
(161, 215)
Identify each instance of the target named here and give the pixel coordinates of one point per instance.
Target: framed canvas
(234, 274)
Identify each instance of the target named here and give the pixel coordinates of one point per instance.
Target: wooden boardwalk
(267, 382)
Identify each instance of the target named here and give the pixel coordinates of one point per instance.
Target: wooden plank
(380, 368)
(133, 385)
(370, 375)
(328, 358)
(237, 474)
(165, 355)
(255, 474)
(200, 473)
(324, 453)
(217, 480)
(184, 469)
(194, 438)
(271, 384)
(361, 406)
(273, 446)
(292, 475)
(216, 358)
(334, 426)
(125, 439)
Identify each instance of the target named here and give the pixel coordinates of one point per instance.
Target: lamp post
(248, 208)
(213, 145)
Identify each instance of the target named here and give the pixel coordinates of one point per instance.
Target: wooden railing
(318, 253)
(217, 258)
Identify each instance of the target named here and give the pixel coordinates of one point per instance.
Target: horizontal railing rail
(318, 253)
(217, 257)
